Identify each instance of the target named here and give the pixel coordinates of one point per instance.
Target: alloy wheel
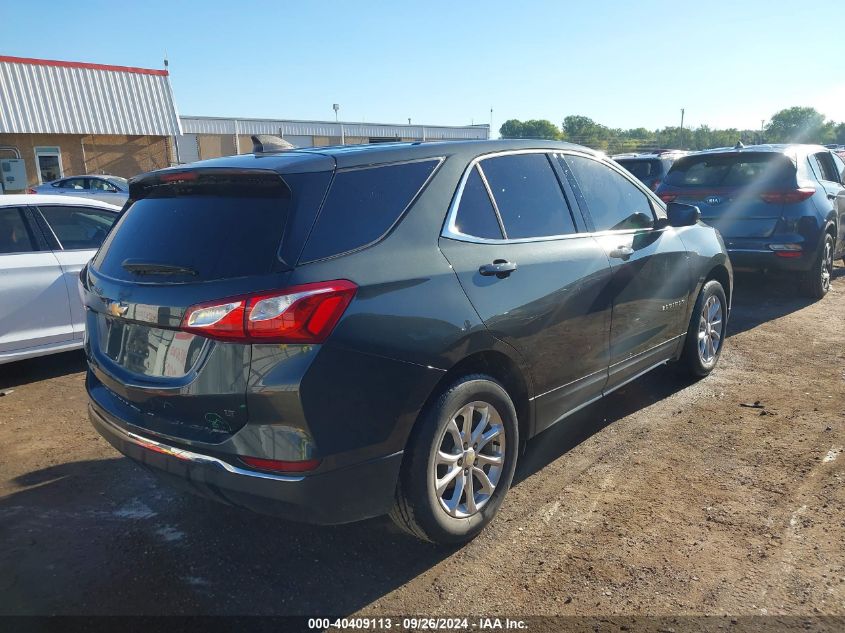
(470, 459)
(827, 265)
(710, 329)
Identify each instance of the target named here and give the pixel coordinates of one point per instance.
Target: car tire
(706, 332)
(444, 514)
(815, 283)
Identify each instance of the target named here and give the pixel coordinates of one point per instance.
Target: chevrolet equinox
(331, 334)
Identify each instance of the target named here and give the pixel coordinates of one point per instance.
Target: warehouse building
(60, 118)
(210, 137)
(63, 118)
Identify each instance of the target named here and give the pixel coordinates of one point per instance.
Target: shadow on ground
(41, 368)
(759, 298)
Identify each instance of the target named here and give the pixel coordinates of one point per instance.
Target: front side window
(839, 164)
(824, 165)
(363, 204)
(476, 215)
(78, 227)
(528, 196)
(15, 236)
(613, 201)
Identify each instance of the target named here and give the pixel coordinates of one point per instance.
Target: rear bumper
(348, 494)
(754, 259)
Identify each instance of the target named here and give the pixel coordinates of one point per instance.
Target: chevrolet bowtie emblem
(116, 309)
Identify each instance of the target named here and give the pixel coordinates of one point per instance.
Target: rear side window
(78, 227)
(613, 201)
(75, 183)
(731, 170)
(14, 233)
(220, 225)
(476, 215)
(363, 204)
(642, 169)
(528, 196)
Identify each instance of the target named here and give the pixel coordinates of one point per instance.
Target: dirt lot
(669, 498)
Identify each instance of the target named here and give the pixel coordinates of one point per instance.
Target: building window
(48, 164)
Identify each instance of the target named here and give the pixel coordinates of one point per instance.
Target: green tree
(799, 125)
(540, 128)
(584, 131)
(512, 128)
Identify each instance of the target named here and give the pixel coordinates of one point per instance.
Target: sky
(623, 64)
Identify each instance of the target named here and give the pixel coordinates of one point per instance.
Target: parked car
(338, 333)
(649, 167)
(44, 243)
(780, 208)
(111, 189)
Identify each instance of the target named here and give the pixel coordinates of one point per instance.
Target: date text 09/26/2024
(418, 624)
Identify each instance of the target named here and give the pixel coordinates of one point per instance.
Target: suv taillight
(789, 196)
(299, 314)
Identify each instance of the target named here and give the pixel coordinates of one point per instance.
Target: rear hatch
(739, 193)
(189, 237)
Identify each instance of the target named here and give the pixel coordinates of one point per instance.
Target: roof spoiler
(263, 143)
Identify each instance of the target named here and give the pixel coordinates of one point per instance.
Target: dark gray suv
(337, 333)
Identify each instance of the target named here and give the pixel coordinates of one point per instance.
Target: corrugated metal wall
(62, 98)
(217, 125)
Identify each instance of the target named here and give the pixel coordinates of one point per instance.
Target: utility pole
(762, 129)
(682, 127)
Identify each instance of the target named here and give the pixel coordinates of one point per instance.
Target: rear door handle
(831, 196)
(500, 267)
(621, 252)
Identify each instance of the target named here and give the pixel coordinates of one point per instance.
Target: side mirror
(680, 214)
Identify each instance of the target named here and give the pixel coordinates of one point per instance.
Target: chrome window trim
(493, 202)
(450, 229)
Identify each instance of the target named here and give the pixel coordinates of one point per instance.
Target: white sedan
(45, 240)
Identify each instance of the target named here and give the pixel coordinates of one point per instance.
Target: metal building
(210, 137)
(63, 118)
(60, 118)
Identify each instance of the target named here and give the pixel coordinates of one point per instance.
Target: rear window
(731, 170)
(642, 169)
(220, 225)
(363, 204)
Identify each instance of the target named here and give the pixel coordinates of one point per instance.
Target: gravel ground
(669, 498)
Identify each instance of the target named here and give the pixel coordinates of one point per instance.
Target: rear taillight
(788, 196)
(299, 314)
(787, 250)
(668, 197)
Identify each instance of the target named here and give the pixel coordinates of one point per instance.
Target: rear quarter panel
(707, 252)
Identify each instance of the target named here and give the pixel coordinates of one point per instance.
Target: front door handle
(500, 267)
(831, 196)
(621, 252)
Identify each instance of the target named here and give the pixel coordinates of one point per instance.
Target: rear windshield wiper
(152, 268)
